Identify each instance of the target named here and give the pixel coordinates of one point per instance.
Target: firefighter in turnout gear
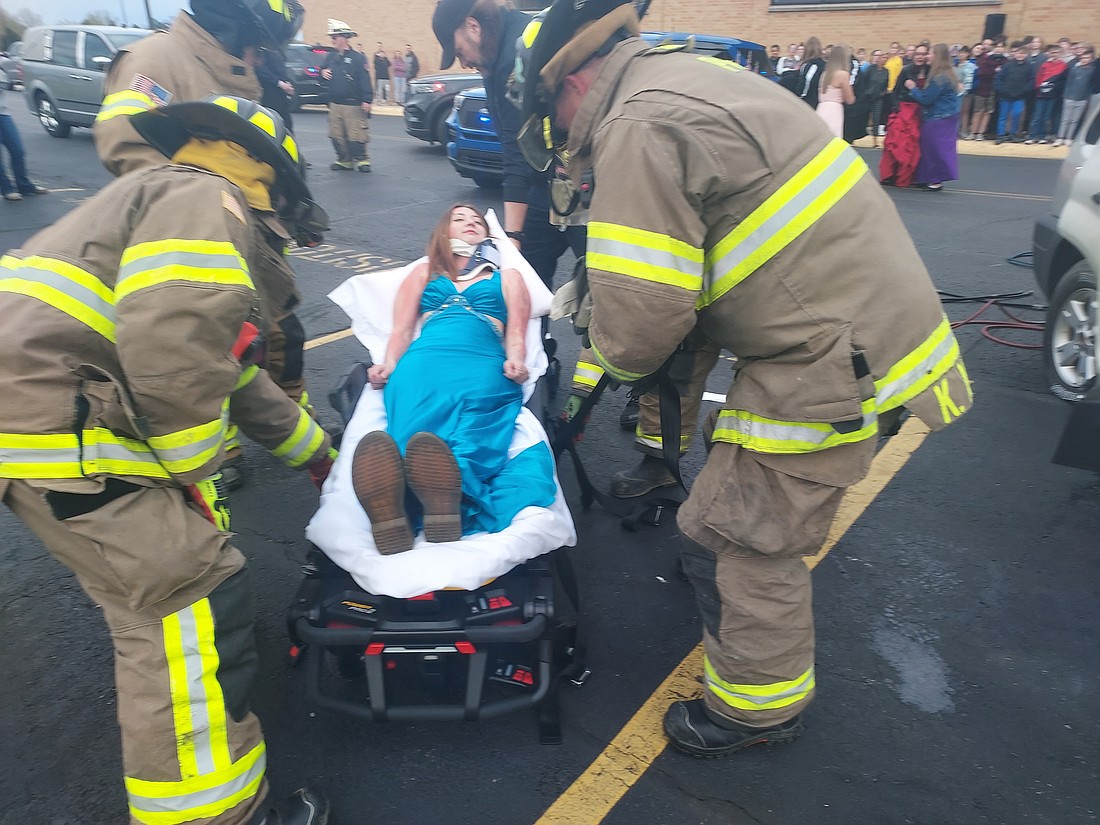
(722, 205)
(212, 50)
(348, 87)
(131, 314)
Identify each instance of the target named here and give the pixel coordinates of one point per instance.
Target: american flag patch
(147, 86)
(233, 206)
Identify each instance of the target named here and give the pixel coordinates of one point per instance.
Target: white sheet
(341, 528)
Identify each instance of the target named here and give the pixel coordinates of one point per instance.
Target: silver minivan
(1066, 255)
(63, 70)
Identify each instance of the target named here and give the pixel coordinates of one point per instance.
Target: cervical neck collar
(481, 257)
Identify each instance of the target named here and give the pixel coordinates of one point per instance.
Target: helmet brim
(168, 128)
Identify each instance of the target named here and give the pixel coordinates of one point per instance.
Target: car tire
(1069, 338)
(48, 117)
(486, 182)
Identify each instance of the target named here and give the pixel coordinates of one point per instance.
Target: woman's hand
(379, 375)
(515, 370)
(910, 84)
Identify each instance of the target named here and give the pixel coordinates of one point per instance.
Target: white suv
(1066, 247)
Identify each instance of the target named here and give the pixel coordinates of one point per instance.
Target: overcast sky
(73, 11)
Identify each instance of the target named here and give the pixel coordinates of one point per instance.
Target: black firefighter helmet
(258, 130)
(239, 23)
(556, 43)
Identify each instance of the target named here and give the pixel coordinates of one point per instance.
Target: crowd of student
(1022, 91)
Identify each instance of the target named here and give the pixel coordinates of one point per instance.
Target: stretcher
(443, 632)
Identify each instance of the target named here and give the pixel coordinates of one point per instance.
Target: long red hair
(441, 261)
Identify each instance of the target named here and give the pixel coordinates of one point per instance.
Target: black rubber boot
(628, 418)
(233, 473)
(693, 729)
(650, 474)
(304, 807)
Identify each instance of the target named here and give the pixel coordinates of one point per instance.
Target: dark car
(474, 149)
(428, 103)
(303, 65)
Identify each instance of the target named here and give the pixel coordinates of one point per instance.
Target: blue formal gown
(451, 382)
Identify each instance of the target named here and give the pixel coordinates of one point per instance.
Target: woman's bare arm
(843, 79)
(406, 312)
(518, 302)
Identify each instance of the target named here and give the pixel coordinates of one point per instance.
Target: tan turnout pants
(747, 524)
(349, 130)
(176, 598)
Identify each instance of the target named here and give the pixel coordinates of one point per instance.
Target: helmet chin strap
(484, 255)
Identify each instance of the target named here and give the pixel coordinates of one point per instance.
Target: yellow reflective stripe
(625, 376)
(246, 378)
(649, 256)
(790, 211)
(586, 374)
(63, 286)
(302, 443)
(186, 450)
(149, 264)
(728, 65)
(759, 697)
(202, 797)
(770, 435)
(198, 705)
(658, 441)
(918, 370)
(126, 102)
(291, 148)
(39, 456)
(531, 32)
(103, 452)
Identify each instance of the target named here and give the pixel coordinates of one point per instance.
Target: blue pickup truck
(473, 146)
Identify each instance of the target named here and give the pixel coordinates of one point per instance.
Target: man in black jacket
(1014, 83)
(349, 100)
(482, 34)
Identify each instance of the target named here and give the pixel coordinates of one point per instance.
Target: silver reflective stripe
(177, 258)
(899, 387)
(19, 455)
(778, 222)
(305, 445)
(196, 691)
(175, 455)
(663, 259)
(106, 451)
(779, 431)
(213, 796)
(797, 690)
(62, 284)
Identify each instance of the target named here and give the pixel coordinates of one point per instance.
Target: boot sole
(434, 477)
(769, 738)
(378, 479)
(636, 488)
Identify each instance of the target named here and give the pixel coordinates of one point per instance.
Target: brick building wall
(397, 22)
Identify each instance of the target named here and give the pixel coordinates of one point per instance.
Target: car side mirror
(101, 62)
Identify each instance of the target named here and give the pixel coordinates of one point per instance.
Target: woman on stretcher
(452, 396)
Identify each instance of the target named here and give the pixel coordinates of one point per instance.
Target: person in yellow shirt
(894, 64)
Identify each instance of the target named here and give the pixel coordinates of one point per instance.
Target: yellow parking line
(627, 757)
(327, 339)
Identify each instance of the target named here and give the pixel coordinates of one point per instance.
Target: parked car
(474, 149)
(11, 64)
(1066, 256)
(428, 102)
(303, 64)
(63, 70)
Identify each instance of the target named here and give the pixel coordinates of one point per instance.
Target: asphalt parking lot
(957, 606)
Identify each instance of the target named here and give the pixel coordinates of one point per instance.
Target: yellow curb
(989, 148)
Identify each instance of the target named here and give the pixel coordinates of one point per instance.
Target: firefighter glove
(210, 496)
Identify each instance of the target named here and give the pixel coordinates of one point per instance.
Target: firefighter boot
(343, 156)
(232, 469)
(650, 474)
(378, 479)
(359, 152)
(435, 479)
(691, 727)
(304, 807)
